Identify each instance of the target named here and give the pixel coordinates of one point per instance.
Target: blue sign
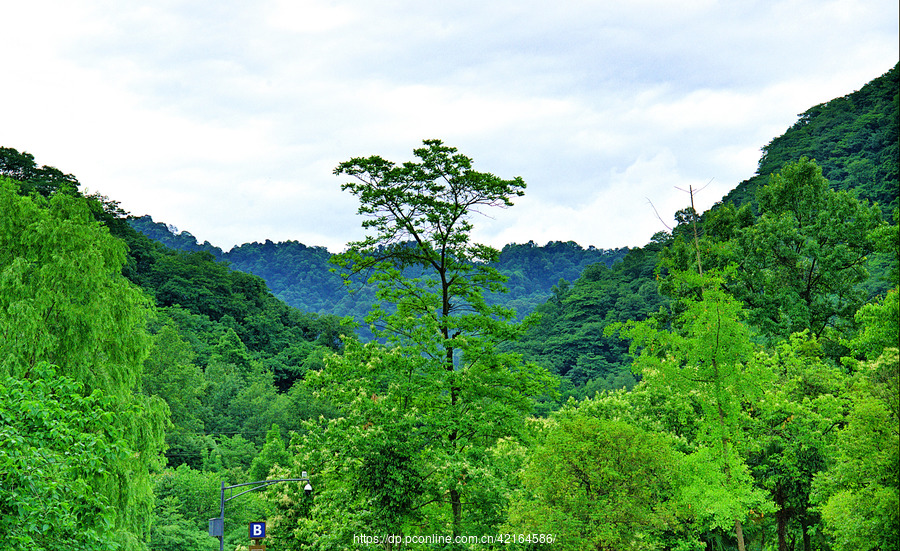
(257, 530)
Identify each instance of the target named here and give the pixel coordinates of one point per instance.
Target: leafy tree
(63, 301)
(272, 453)
(420, 213)
(171, 531)
(169, 373)
(42, 180)
(800, 264)
(858, 494)
(440, 392)
(707, 353)
(879, 321)
(793, 428)
(187, 497)
(595, 483)
(56, 448)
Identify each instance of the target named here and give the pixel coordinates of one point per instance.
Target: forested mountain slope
(855, 141)
(302, 276)
(758, 342)
(135, 355)
(853, 138)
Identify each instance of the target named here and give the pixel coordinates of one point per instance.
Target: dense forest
(733, 384)
(304, 278)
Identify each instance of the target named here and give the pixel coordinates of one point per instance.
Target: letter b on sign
(257, 530)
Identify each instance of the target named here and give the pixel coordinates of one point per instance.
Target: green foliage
(58, 452)
(416, 416)
(171, 374)
(41, 180)
(171, 531)
(879, 321)
(570, 336)
(598, 484)
(273, 453)
(171, 237)
(854, 139)
(859, 495)
(707, 355)
(64, 302)
(793, 428)
(799, 265)
(185, 499)
(62, 296)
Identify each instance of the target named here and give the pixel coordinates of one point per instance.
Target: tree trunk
(804, 525)
(781, 516)
(456, 505)
(739, 532)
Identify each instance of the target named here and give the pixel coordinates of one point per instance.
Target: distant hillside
(853, 138)
(300, 275)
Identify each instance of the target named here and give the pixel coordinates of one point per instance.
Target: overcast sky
(226, 118)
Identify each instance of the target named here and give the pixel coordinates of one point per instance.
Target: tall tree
(454, 390)
(799, 263)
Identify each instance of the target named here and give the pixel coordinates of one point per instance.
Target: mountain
(301, 275)
(853, 138)
(579, 291)
(207, 357)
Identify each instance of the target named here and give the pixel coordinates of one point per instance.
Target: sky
(227, 118)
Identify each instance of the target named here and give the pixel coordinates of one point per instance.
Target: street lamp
(217, 525)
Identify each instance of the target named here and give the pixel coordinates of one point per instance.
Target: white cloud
(226, 119)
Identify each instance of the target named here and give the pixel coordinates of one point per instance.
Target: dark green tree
(799, 264)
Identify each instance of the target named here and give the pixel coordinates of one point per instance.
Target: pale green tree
(57, 448)
(64, 302)
(592, 483)
(707, 356)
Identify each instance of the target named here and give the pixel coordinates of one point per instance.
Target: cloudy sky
(226, 118)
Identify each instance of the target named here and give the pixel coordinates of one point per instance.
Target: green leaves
(707, 356)
(63, 301)
(62, 297)
(58, 451)
(859, 495)
(599, 483)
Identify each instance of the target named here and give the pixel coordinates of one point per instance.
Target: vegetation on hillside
(731, 385)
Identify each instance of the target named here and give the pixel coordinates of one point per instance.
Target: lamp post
(217, 525)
